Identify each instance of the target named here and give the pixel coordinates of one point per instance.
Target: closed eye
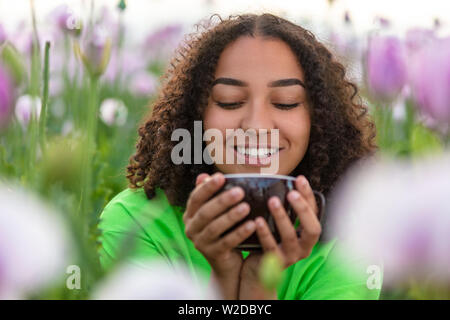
(235, 105)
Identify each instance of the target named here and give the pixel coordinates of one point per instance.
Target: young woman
(245, 72)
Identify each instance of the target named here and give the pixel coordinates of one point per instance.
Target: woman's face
(245, 82)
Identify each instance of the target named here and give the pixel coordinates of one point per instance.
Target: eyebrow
(276, 83)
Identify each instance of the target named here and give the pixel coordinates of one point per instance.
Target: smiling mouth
(255, 152)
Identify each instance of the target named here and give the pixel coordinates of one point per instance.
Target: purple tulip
(386, 66)
(430, 80)
(162, 41)
(417, 38)
(6, 97)
(143, 84)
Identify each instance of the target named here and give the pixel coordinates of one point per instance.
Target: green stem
(43, 116)
(90, 141)
(33, 19)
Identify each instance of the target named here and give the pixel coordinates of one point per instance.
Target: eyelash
(235, 105)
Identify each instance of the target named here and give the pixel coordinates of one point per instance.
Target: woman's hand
(207, 218)
(291, 249)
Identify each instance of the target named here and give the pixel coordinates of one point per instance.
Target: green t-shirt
(138, 228)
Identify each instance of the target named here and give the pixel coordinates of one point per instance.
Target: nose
(257, 117)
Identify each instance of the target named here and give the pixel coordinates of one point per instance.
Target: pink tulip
(430, 80)
(386, 66)
(6, 97)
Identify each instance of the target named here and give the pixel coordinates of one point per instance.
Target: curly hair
(342, 131)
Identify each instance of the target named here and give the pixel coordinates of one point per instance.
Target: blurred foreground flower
(153, 280)
(399, 212)
(26, 107)
(430, 79)
(113, 112)
(6, 97)
(2, 34)
(386, 66)
(95, 51)
(34, 245)
(270, 271)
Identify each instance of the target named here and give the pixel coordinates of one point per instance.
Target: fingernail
(274, 202)
(304, 181)
(250, 225)
(216, 178)
(259, 222)
(242, 207)
(235, 192)
(294, 195)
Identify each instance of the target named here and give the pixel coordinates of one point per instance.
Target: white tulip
(113, 112)
(34, 244)
(27, 105)
(153, 280)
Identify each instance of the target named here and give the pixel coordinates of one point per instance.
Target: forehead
(251, 58)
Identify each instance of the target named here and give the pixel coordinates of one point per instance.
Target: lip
(267, 146)
(255, 161)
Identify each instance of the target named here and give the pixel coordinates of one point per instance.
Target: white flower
(398, 211)
(113, 112)
(27, 105)
(34, 244)
(153, 280)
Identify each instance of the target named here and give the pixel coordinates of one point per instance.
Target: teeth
(254, 152)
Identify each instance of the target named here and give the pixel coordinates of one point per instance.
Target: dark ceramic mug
(259, 188)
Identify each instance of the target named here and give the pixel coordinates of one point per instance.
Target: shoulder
(131, 206)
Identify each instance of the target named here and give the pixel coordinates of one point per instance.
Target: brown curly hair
(341, 130)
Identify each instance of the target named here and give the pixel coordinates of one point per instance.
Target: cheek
(217, 118)
(297, 130)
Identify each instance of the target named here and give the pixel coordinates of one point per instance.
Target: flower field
(73, 93)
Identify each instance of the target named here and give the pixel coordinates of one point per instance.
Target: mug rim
(258, 175)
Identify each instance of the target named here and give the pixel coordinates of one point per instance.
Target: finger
(304, 188)
(211, 209)
(201, 178)
(202, 193)
(234, 238)
(284, 225)
(310, 224)
(265, 237)
(224, 222)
